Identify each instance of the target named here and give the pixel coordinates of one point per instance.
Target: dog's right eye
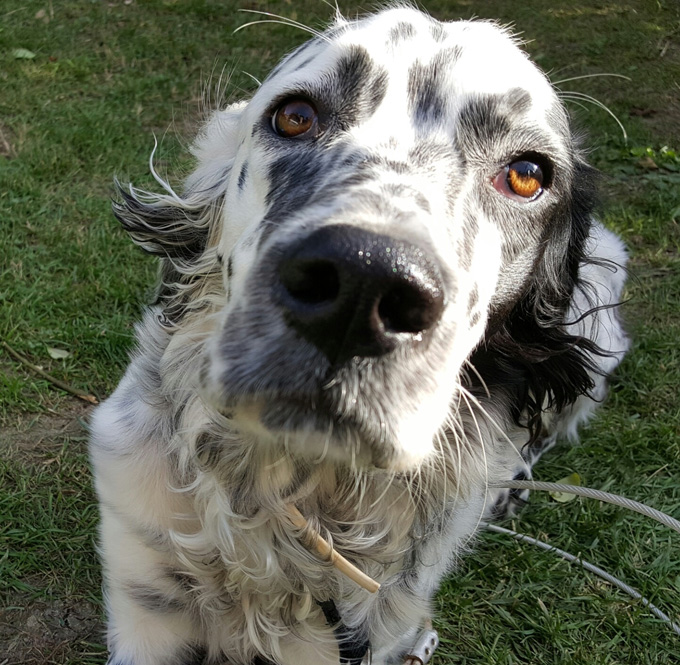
(295, 117)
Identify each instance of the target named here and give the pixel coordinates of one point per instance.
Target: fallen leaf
(647, 163)
(22, 54)
(564, 497)
(58, 354)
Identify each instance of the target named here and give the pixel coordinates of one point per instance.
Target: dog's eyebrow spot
(426, 86)
(484, 120)
(401, 32)
(360, 86)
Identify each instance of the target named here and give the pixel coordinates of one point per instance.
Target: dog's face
(397, 186)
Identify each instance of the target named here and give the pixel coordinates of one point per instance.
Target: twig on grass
(80, 394)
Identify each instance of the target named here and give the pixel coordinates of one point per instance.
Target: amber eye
(521, 180)
(295, 117)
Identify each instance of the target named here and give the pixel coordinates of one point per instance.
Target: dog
(382, 290)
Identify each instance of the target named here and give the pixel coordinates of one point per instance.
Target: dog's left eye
(522, 180)
(295, 117)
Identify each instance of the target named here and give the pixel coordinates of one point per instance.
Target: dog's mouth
(316, 430)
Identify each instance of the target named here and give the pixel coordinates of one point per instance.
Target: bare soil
(39, 631)
(44, 632)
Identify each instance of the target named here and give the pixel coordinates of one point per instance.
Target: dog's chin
(316, 435)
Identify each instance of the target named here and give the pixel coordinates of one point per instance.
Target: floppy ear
(532, 357)
(174, 226)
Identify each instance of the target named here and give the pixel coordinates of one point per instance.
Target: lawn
(85, 85)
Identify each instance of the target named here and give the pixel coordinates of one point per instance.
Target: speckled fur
(389, 458)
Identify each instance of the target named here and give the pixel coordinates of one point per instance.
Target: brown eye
(295, 117)
(521, 180)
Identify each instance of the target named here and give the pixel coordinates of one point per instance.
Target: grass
(104, 78)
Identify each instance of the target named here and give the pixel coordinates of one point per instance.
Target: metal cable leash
(591, 493)
(659, 614)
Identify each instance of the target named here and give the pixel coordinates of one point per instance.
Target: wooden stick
(327, 552)
(53, 380)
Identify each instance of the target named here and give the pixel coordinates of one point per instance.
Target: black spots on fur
(485, 120)
(427, 88)
(359, 88)
(243, 174)
(295, 178)
(481, 122)
(427, 103)
(437, 32)
(400, 33)
(195, 655)
(300, 178)
(517, 102)
(230, 274)
(154, 600)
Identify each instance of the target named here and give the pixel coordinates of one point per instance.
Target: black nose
(351, 292)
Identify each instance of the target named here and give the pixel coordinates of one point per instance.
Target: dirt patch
(30, 437)
(51, 629)
(663, 118)
(42, 632)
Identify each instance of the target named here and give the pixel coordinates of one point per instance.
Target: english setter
(381, 289)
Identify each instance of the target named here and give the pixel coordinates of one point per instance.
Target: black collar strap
(351, 646)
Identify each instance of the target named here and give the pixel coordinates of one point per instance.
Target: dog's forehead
(459, 57)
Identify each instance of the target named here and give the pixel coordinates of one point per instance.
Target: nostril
(310, 281)
(409, 309)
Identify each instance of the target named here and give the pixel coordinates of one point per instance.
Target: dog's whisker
(254, 78)
(590, 76)
(572, 95)
(283, 20)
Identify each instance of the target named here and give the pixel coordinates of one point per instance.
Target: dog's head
(400, 198)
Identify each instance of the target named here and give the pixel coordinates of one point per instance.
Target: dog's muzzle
(355, 293)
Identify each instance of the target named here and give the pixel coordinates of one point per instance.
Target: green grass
(105, 77)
